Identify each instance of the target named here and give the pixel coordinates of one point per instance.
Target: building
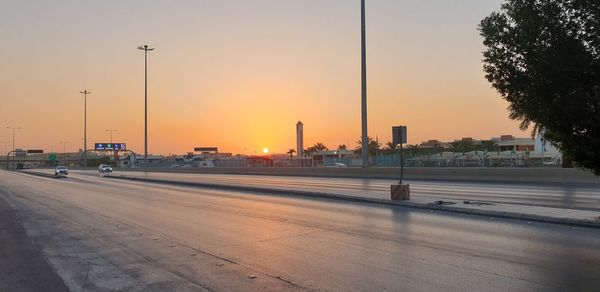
(435, 144)
(510, 143)
(300, 139)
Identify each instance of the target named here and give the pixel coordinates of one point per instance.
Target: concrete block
(400, 192)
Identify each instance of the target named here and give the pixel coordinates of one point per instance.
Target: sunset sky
(239, 74)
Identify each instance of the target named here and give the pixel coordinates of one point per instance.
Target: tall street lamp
(145, 48)
(85, 94)
(13, 135)
(64, 143)
(111, 141)
(3, 147)
(364, 136)
(111, 134)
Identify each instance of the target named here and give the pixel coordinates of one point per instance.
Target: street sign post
(399, 137)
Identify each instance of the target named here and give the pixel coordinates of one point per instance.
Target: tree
(342, 147)
(390, 148)
(374, 146)
(543, 57)
(316, 148)
(291, 152)
(463, 146)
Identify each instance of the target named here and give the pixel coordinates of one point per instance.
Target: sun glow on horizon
(265, 150)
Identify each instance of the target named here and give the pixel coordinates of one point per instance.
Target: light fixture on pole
(85, 94)
(145, 48)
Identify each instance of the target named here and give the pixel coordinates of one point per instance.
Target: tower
(300, 139)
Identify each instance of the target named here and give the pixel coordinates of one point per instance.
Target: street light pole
(145, 48)
(111, 142)
(13, 135)
(64, 151)
(111, 134)
(85, 93)
(364, 136)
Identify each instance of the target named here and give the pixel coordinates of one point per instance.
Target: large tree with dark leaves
(543, 57)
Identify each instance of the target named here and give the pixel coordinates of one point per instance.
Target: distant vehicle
(337, 164)
(61, 171)
(103, 168)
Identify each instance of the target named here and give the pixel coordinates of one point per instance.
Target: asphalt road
(104, 234)
(574, 196)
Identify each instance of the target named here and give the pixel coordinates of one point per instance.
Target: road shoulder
(23, 266)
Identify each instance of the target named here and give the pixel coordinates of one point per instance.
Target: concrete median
(478, 174)
(529, 213)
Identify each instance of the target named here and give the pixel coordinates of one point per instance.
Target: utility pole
(85, 93)
(364, 136)
(145, 48)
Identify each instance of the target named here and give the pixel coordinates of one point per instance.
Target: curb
(47, 175)
(445, 208)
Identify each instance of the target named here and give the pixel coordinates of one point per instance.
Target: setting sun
(265, 150)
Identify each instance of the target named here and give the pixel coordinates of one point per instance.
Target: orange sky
(239, 74)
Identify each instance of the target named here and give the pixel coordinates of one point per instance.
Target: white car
(337, 164)
(103, 168)
(61, 171)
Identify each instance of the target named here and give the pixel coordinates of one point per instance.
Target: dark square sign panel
(399, 134)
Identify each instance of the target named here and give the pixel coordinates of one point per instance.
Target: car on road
(103, 168)
(337, 164)
(61, 171)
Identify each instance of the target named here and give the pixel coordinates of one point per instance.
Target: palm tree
(374, 146)
(315, 148)
(320, 146)
(342, 147)
(291, 153)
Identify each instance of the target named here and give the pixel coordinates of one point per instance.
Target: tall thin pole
(364, 137)
(85, 93)
(13, 135)
(145, 48)
(64, 151)
(111, 134)
(145, 106)
(113, 145)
